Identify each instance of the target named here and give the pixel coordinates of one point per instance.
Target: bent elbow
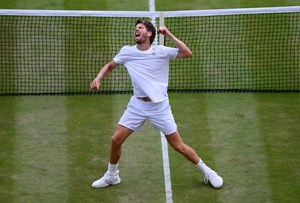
(189, 54)
(184, 54)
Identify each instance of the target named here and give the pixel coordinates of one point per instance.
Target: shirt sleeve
(121, 57)
(171, 52)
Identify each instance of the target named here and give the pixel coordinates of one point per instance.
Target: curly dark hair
(150, 28)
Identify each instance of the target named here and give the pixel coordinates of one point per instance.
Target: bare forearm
(103, 72)
(184, 51)
(95, 84)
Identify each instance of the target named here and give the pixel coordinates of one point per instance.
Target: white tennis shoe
(107, 180)
(215, 180)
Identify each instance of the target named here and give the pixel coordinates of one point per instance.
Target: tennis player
(148, 67)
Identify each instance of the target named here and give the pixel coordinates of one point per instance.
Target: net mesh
(62, 54)
(238, 52)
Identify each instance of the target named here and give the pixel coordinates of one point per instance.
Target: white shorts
(159, 114)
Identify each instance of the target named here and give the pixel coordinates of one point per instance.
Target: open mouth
(138, 37)
(137, 34)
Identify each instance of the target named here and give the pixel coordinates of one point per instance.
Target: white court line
(167, 175)
(151, 5)
(164, 143)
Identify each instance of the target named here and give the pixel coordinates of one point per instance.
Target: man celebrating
(148, 67)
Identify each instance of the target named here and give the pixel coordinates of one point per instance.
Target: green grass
(53, 147)
(165, 5)
(138, 5)
(231, 130)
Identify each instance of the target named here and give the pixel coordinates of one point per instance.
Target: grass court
(53, 147)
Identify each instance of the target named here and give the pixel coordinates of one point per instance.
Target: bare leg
(210, 176)
(118, 138)
(176, 142)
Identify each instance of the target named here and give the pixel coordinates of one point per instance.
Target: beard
(141, 39)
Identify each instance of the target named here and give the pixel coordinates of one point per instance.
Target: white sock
(112, 168)
(202, 166)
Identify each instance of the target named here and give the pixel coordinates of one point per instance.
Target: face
(141, 34)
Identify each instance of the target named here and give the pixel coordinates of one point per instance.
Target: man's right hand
(95, 84)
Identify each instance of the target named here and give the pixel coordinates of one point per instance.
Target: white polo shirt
(148, 70)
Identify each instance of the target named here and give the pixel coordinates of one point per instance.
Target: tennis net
(235, 50)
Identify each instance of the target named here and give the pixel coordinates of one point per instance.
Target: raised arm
(95, 84)
(184, 51)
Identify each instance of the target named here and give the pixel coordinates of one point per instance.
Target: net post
(161, 23)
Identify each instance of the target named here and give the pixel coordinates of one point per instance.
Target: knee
(120, 136)
(179, 148)
(116, 141)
